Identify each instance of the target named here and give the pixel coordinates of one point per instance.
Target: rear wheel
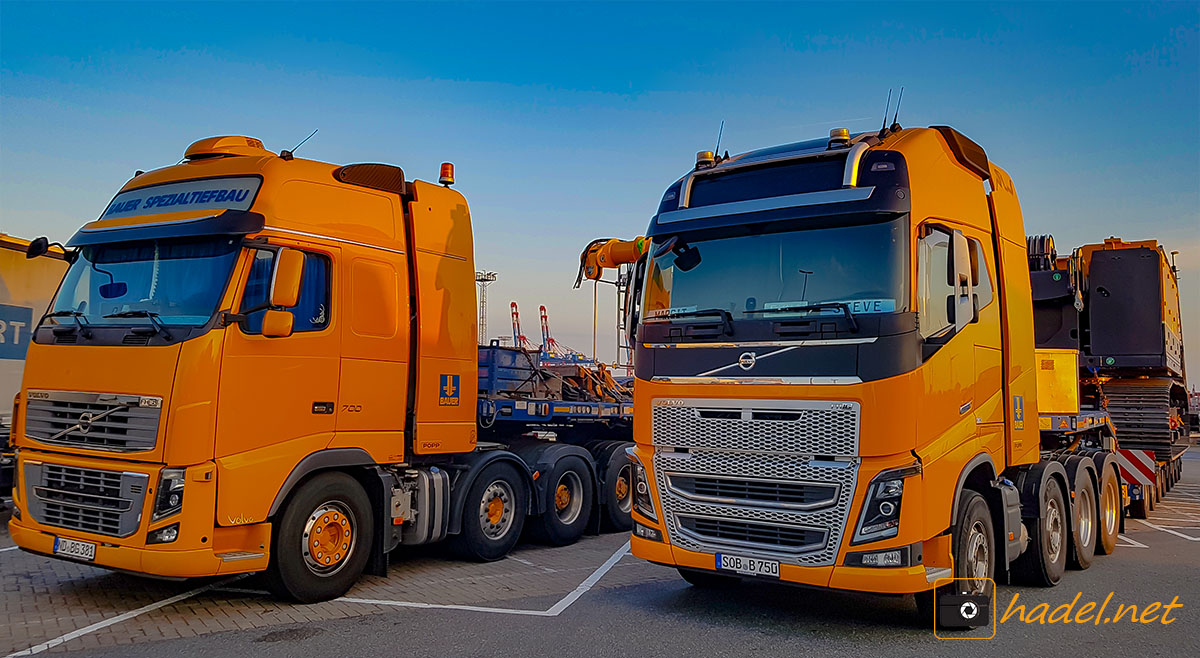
(1045, 560)
(1084, 526)
(568, 504)
(1109, 513)
(321, 542)
(708, 579)
(493, 513)
(618, 490)
(1140, 509)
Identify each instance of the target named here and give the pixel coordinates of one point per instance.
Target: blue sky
(567, 121)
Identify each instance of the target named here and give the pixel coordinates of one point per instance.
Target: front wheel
(322, 540)
(974, 546)
(493, 513)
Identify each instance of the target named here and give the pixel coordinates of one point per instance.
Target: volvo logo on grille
(747, 360)
(85, 422)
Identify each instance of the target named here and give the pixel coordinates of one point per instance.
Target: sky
(566, 121)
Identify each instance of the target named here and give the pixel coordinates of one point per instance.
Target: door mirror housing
(285, 282)
(37, 247)
(277, 324)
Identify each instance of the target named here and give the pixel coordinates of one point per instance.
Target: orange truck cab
(835, 373)
(261, 362)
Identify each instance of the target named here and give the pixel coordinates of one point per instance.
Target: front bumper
(901, 580)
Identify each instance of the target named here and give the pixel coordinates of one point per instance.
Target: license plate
(80, 550)
(750, 566)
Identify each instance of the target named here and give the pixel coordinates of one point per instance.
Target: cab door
(278, 396)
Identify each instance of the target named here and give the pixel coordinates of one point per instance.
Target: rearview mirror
(277, 324)
(113, 290)
(37, 247)
(285, 283)
(687, 259)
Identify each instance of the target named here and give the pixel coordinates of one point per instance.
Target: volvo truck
(838, 381)
(261, 363)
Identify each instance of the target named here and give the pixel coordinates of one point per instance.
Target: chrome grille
(101, 421)
(773, 479)
(86, 499)
(754, 491)
(732, 532)
(805, 427)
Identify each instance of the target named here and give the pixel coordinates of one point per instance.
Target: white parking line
(1167, 530)
(125, 616)
(9, 548)
(553, 611)
(1131, 543)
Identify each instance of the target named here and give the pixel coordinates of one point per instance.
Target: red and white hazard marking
(1137, 466)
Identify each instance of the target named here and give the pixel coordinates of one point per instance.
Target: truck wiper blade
(837, 306)
(149, 315)
(726, 316)
(75, 315)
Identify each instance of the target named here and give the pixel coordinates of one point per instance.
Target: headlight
(169, 499)
(880, 515)
(642, 502)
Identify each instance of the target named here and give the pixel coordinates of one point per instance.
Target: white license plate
(80, 550)
(750, 566)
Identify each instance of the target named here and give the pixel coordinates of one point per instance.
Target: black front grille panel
(765, 493)
(732, 532)
(83, 481)
(102, 522)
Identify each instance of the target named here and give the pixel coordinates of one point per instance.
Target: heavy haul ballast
(838, 380)
(258, 362)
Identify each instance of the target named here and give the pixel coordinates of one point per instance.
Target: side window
(311, 312)
(979, 274)
(935, 283)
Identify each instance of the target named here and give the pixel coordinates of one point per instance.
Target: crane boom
(608, 252)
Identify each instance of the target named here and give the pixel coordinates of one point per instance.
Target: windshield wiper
(149, 315)
(83, 330)
(726, 316)
(839, 306)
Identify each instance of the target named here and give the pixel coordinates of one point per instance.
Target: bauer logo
(448, 394)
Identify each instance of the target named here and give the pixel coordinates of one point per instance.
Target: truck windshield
(771, 275)
(180, 281)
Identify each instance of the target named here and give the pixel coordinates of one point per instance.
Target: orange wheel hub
(622, 488)
(495, 509)
(329, 541)
(562, 497)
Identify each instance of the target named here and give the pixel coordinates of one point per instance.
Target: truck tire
(570, 496)
(1044, 562)
(1140, 509)
(973, 542)
(493, 514)
(618, 491)
(708, 579)
(1084, 522)
(322, 540)
(1109, 513)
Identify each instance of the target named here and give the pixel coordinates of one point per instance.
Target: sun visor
(228, 222)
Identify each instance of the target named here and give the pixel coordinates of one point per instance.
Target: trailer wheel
(570, 496)
(1140, 509)
(618, 491)
(974, 546)
(493, 514)
(322, 540)
(1109, 510)
(708, 579)
(1044, 562)
(1084, 523)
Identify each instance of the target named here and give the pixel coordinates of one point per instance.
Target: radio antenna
(720, 131)
(883, 128)
(288, 155)
(895, 125)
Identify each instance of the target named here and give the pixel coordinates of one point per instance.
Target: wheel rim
(568, 497)
(329, 538)
(621, 489)
(496, 510)
(1054, 529)
(978, 558)
(1111, 513)
(1087, 516)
